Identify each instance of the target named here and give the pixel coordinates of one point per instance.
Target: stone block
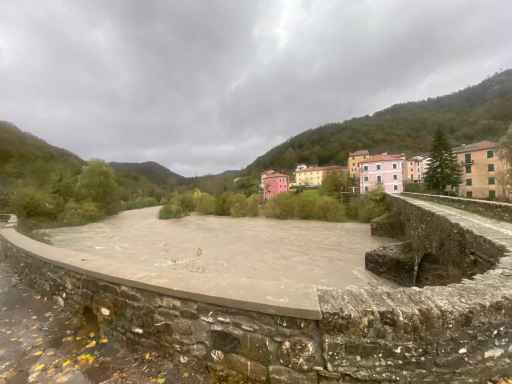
(298, 353)
(249, 368)
(258, 347)
(282, 375)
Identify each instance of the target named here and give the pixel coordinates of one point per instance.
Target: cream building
(354, 161)
(415, 169)
(483, 173)
(313, 176)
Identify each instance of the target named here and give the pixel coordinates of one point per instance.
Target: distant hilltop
(480, 112)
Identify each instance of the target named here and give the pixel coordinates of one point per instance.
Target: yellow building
(354, 160)
(313, 176)
(483, 172)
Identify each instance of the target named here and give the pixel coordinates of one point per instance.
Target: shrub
(305, 205)
(253, 203)
(281, 206)
(223, 204)
(80, 213)
(171, 210)
(205, 204)
(141, 202)
(368, 206)
(238, 205)
(29, 202)
(329, 209)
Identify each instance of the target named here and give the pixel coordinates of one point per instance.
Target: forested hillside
(152, 171)
(483, 111)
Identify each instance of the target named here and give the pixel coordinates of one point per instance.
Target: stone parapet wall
(458, 333)
(493, 209)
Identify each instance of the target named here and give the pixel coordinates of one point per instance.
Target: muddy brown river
(309, 252)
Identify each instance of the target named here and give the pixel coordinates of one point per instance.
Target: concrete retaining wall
(459, 333)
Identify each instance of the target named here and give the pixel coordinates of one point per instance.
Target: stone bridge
(247, 332)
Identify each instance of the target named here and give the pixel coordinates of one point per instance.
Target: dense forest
(483, 111)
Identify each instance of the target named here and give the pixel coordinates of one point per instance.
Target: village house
(415, 169)
(483, 173)
(314, 176)
(354, 161)
(382, 171)
(273, 183)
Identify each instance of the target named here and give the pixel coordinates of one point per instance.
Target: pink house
(273, 183)
(384, 171)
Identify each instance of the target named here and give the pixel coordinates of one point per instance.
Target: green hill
(152, 171)
(483, 111)
(25, 157)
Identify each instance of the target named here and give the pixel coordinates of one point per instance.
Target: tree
(443, 170)
(335, 183)
(97, 182)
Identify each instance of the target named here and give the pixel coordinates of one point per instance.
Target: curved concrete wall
(459, 333)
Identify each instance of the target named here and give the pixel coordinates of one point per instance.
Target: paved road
(308, 252)
(40, 343)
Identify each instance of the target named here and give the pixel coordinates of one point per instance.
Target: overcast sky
(205, 86)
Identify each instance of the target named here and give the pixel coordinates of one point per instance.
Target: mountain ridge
(481, 111)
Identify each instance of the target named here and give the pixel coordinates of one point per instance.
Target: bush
(223, 204)
(172, 210)
(238, 205)
(281, 207)
(368, 206)
(29, 202)
(141, 202)
(253, 203)
(80, 213)
(329, 209)
(205, 204)
(305, 205)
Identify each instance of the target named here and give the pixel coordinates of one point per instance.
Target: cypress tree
(443, 170)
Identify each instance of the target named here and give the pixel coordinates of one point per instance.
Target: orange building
(483, 173)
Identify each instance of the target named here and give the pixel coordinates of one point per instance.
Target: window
(468, 168)
(395, 165)
(379, 180)
(395, 187)
(366, 178)
(490, 154)
(366, 189)
(492, 180)
(467, 157)
(491, 168)
(469, 182)
(469, 194)
(378, 167)
(492, 195)
(395, 177)
(365, 168)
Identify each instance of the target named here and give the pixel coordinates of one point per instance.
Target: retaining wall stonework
(459, 333)
(493, 209)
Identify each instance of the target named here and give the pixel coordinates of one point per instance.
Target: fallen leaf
(103, 340)
(38, 353)
(92, 344)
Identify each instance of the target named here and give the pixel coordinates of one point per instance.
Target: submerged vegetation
(307, 205)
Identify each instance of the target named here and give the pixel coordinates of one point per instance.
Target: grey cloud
(207, 86)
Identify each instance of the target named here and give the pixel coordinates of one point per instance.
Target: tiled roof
(480, 146)
(383, 157)
(361, 152)
(325, 168)
(271, 173)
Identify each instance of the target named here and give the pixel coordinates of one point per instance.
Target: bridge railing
(492, 209)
